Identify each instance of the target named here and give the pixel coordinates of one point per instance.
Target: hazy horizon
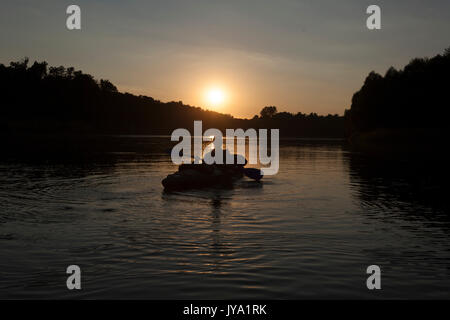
(301, 56)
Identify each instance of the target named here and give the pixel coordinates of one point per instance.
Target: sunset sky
(307, 56)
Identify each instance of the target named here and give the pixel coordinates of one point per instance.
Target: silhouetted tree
(57, 72)
(447, 52)
(268, 112)
(38, 70)
(20, 65)
(107, 86)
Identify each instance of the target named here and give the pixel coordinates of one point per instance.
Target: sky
(299, 55)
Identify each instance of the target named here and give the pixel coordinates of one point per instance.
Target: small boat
(202, 175)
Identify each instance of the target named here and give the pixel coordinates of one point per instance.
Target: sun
(215, 97)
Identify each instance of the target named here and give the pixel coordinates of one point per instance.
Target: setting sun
(215, 97)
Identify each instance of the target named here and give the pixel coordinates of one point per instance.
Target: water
(309, 232)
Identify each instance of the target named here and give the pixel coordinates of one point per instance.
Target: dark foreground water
(308, 232)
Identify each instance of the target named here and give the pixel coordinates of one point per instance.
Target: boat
(203, 175)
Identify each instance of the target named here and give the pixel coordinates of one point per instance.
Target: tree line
(415, 97)
(38, 98)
